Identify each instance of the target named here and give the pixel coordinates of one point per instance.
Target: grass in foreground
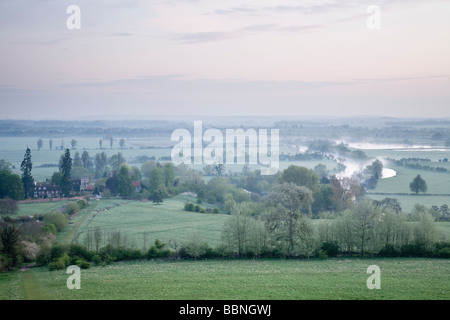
(403, 279)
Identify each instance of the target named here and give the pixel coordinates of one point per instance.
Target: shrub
(56, 265)
(50, 228)
(71, 208)
(83, 264)
(58, 219)
(157, 251)
(189, 207)
(80, 251)
(58, 250)
(216, 210)
(44, 256)
(388, 251)
(30, 250)
(442, 250)
(322, 254)
(59, 263)
(96, 259)
(81, 204)
(331, 249)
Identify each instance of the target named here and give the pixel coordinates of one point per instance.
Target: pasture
(166, 221)
(333, 279)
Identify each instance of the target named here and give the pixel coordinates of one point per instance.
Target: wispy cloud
(303, 9)
(202, 37)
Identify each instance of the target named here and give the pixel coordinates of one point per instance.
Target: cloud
(212, 36)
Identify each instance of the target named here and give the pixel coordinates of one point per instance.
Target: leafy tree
(100, 142)
(135, 174)
(111, 183)
(122, 143)
(169, 175)
(77, 160)
(8, 206)
(365, 217)
(124, 183)
(10, 237)
(156, 179)
(66, 168)
(158, 195)
(286, 203)
(116, 160)
(425, 232)
(40, 143)
(86, 160)
(300, 176)
(195, 246)
(74, 143)
(111, 141)
(375, 169)
(418, 185)
(322, 199)
(217, 188)
(50, 144)
(389, 204)
(56, 178)
(345, 192)
(237, 228)
(58, 219)
(71, 208)
(322, 171)
(27, 179)
(11, 186)
(100, 164)
(147, 168)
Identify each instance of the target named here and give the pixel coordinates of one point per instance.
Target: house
(137, 186)
(76, 184)
(84, 183)
(89, 188)
(46, 190)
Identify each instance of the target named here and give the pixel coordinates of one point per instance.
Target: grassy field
(167, 221)
(401, 279)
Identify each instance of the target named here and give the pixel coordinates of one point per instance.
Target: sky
(171, 58)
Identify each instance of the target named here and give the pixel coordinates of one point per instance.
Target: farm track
(70, 235)
(31, 286)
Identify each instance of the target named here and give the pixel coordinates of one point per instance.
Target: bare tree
(98, 237)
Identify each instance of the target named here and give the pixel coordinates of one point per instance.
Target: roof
(136, 183)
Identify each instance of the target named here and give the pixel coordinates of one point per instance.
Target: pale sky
(139, 58)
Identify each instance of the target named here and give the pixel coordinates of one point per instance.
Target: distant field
(333, 279)
(438, 183)
(408, 202)
(167, 221)
(26, 209)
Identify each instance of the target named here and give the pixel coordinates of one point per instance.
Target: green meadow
(332, 279)
(167, 221)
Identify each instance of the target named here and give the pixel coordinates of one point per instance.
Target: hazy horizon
(198, 58)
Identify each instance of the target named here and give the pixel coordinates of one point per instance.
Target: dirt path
(86, 214)
(31, 286)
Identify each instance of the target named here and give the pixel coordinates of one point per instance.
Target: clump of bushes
(191, 207)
